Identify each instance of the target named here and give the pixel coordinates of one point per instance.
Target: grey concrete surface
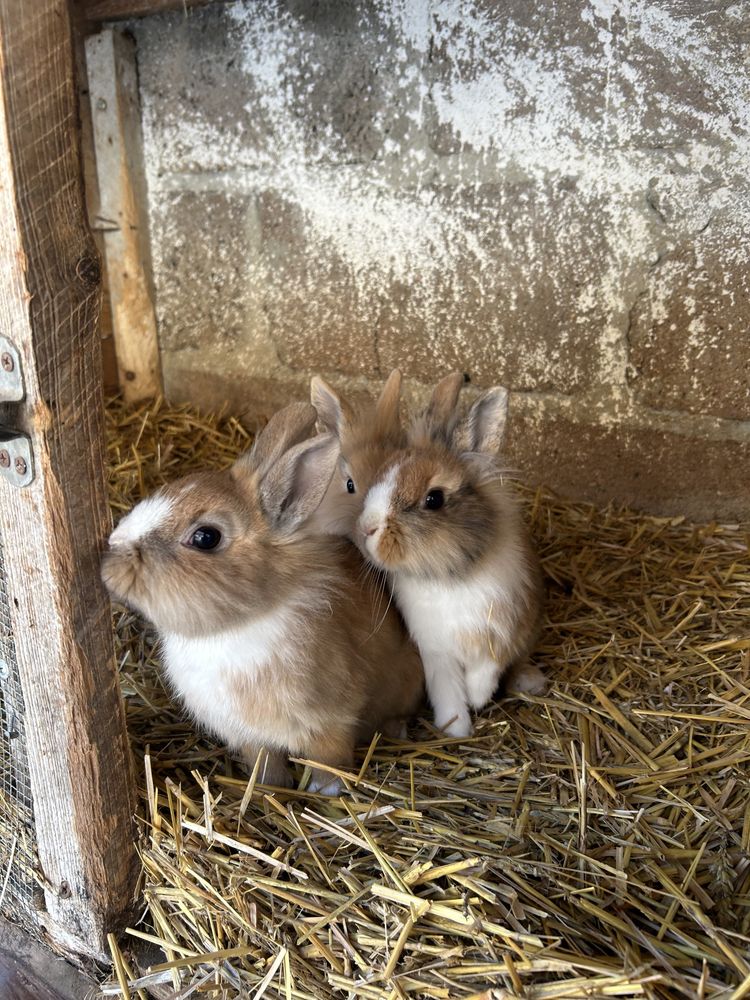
(554, 196)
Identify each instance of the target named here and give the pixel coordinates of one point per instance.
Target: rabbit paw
(325, 784)
(459, 726)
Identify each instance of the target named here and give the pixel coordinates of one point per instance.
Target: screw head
(4, 459)
(7, 362)
(20, 466)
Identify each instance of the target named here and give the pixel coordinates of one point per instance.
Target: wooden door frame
(53, 530)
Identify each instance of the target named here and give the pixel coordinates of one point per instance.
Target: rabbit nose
(370, 529)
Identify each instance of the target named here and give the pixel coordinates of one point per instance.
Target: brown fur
(184, 590)
(450, 541)
(345, 668)
(475, 535)
(367, 437)
(437, 421)
(461, 539)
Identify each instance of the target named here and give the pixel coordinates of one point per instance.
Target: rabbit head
(367, 436)
(438, 506)
(207, 551)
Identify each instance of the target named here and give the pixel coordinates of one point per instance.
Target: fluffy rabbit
(367, 436)
(270, 636)
(441, 521)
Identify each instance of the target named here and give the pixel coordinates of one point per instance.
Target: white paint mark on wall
(382, 232)
(516, 115)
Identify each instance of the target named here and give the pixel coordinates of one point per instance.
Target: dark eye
(434, 500)
(350, 487)
(205, 538)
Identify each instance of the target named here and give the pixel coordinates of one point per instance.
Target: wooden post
(79, 762)
(80, 28)
(122, 216)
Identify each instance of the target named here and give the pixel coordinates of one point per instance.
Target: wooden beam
(91, 189)
(76, 742)
(122, 216)
(120, 10)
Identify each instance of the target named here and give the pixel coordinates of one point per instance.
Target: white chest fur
(438, 613)
(211, 674)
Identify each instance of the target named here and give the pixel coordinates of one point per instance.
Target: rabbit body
(273, 639)
(441, 521)
(470, 631)
(309, 679)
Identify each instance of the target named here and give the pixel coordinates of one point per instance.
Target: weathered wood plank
(91, 190)
(119, 10)
(122, 214)
(30, 971)
(79, 761)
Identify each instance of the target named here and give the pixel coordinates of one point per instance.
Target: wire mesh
(18, 860)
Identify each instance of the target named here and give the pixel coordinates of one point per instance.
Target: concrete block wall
(554, 196)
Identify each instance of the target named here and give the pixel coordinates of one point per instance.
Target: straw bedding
(593, 842)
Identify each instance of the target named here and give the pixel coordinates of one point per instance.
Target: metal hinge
(16, 462)
(11, 373)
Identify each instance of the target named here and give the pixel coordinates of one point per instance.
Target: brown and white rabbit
(367, 436)
(441, 521)
(272, 638)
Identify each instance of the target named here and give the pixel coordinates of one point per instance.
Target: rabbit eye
(205, 538)
(350, 487)
(434, 500)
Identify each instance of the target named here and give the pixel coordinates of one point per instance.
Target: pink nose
(370, 531)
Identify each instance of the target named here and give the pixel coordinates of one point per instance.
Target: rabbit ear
(386, 408)
(294, 486)
(333, 411)
(444, 400)
(483, 429)
(292, 424)
(437, 421)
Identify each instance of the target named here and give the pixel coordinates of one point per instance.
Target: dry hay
(591, 842)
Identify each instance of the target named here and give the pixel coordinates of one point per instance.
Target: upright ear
(386, 408)
(444, 400)
(292, 424)
(437, 421)
(483, 429)
(294, 486)
(333, 411)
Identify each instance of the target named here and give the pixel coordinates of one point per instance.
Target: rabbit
(441, 521)
(271, 636)
(366, 437)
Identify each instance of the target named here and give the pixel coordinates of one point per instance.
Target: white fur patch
(144, 518)
(377, 506)
(208, 671)
(438, 613)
